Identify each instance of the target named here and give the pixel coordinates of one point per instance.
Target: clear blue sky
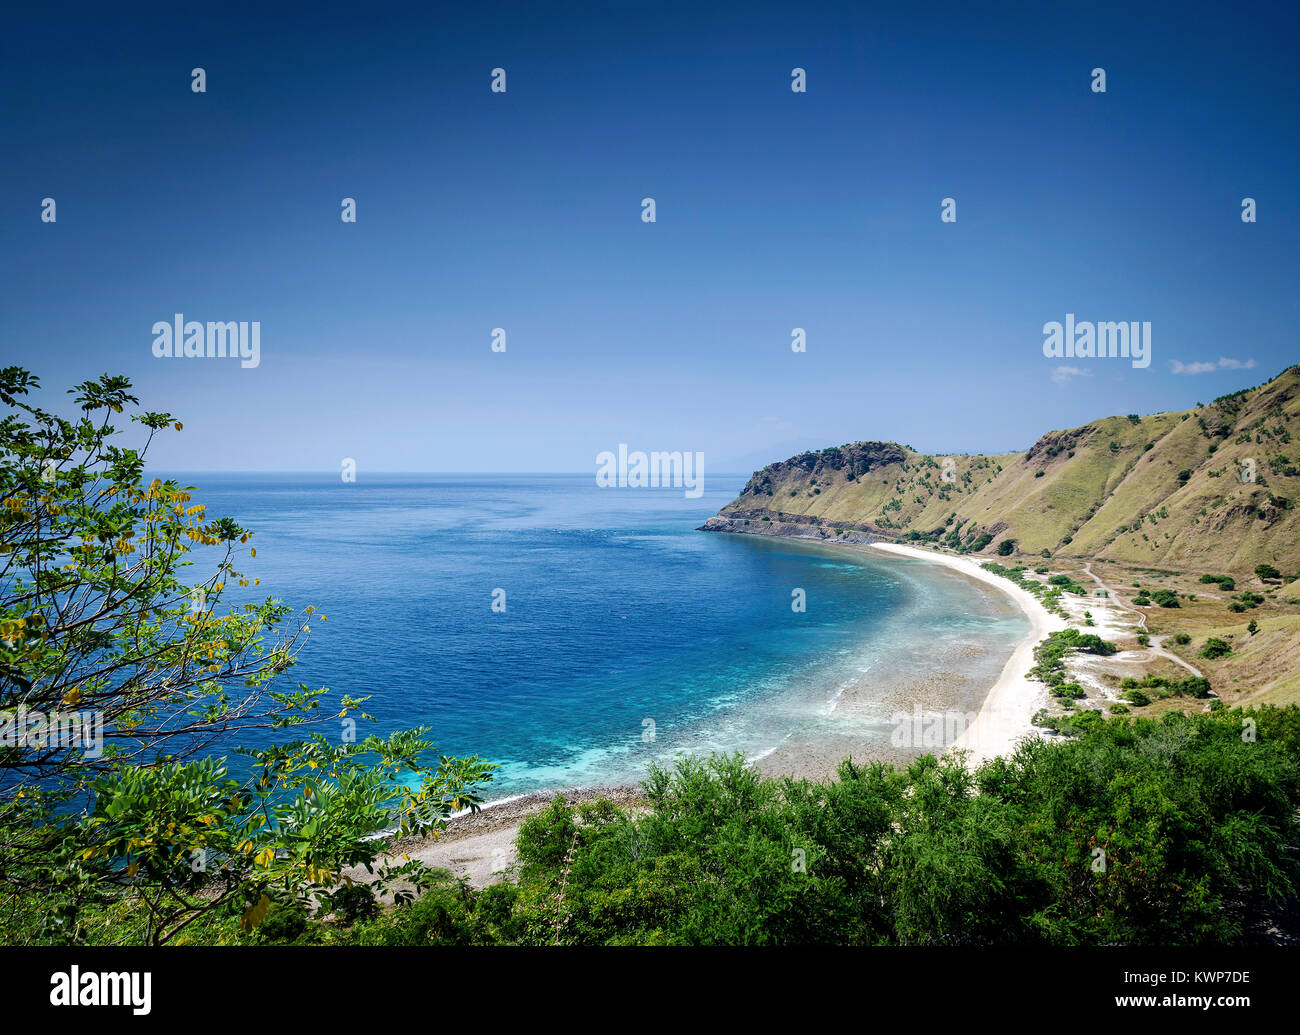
(522, 210)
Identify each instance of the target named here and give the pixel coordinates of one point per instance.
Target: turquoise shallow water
(621, 620)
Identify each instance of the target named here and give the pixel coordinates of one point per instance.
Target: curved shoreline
(1005, 711)
(1005, 717)
(479, 846)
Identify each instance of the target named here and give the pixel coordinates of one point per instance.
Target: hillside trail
(1156, 641)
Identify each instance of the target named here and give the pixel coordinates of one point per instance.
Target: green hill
(1214, 488)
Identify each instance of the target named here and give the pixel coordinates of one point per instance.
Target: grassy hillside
(1173, 490)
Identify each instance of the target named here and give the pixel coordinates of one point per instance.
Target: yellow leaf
(254, 915)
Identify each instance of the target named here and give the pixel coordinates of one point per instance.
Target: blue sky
(522, 210)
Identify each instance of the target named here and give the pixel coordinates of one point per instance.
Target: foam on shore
(1006, 715)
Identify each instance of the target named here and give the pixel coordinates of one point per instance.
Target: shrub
(285, 922)
(1215, 648)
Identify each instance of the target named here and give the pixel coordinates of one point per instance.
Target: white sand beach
(1005, 716)
(481, 847)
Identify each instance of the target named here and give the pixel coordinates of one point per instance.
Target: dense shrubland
(1180, 830)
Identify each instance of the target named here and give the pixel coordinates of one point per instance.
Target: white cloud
(1225, 363)
(1063, 374)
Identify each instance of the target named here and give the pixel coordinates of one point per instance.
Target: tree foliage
(121, 673)
(1169, 831)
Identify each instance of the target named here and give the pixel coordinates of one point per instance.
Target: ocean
(626, 636)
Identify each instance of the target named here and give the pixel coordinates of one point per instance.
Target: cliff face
(1216, 488)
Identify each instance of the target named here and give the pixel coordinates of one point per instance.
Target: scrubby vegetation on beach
(1177, 831)
(1048, 593)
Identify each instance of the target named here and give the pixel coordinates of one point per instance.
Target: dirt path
(1156, 641)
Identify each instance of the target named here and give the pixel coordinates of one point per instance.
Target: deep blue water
(617, 612)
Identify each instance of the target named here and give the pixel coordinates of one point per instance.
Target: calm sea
(627, 636)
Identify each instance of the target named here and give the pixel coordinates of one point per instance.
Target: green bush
(1193, 820)
(1215, 648)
